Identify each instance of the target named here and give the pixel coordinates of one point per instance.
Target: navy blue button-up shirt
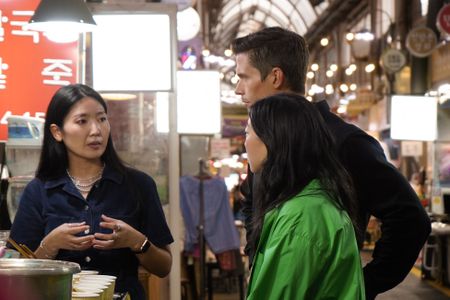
(132, 198)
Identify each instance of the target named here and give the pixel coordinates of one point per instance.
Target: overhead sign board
(32, 67)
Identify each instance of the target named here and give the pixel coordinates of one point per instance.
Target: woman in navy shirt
(85, 205)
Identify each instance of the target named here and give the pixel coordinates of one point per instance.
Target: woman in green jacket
(304, 218)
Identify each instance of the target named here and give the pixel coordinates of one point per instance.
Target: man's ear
(277, 78)
(56, 132)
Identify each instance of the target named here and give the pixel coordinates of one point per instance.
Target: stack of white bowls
(89, 285)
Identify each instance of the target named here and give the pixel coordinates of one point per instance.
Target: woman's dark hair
(54, 162)
(300, 148)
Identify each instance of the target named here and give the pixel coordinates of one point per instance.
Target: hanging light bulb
(364, 35)
(324, 42)
(314, 67)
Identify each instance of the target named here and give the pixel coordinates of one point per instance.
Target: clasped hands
(64, 236)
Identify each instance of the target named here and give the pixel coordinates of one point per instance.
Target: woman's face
(85, 130)
(256, 150)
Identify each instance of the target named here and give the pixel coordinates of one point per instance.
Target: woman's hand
(64, 237)
(123, 235)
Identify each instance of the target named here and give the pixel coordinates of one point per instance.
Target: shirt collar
(109, 173)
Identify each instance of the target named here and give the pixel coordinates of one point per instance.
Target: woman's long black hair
(53, 161)
(300, 148)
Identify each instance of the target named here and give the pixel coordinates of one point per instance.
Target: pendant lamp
(62, 15)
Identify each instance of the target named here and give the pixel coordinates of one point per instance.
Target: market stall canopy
(239, 18)
(235, 18)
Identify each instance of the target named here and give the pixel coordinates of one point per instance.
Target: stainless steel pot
(36, 279)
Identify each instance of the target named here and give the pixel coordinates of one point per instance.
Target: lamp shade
(62, 15)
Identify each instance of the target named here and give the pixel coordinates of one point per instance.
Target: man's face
(250, 86)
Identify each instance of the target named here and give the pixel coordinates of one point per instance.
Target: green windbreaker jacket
(307, 250)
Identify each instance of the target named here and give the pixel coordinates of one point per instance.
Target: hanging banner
(32, 67)
(421, 41)
(443, 20)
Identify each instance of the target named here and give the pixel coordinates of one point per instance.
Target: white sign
(411, 148)
(132, 53)
(414, 118)
(198, 102)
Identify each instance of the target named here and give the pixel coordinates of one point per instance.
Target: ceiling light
(118, 96)
(228, 52)
(188, 24)
(350, 36)
(369, 68)
(324, 42)
(206, 52)
(62, 15)
(314, 67)
(364, 35)
(344, 88)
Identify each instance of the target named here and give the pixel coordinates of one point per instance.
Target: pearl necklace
(85, 185)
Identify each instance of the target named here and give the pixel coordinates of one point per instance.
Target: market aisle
(413, 287)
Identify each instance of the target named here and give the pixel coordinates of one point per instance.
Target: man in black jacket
(275, 60)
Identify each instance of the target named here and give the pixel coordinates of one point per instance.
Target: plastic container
(22, 159)
(15, 189)
(25, 128)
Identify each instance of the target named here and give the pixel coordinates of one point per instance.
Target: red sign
(443, 19)
(32, 67)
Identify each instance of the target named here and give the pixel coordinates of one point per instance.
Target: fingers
(105, 236)
(74, 228)
(82, 243)
(115, 225)
(106, 241)
(108, 219)
(103, 244)
(76, 224)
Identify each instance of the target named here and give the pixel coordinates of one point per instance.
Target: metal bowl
(36, 279)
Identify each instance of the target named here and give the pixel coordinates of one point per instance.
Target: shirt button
(87, 259)
(86, 207)
(86, 231)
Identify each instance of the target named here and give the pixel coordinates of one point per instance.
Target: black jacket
(382, 191)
